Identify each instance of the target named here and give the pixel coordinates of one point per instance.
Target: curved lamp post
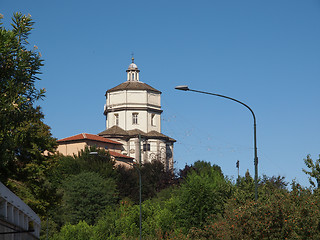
(186, 88)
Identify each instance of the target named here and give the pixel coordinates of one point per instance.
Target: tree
(98, 172)
(283, 215)
(154, 179)
(203, 193)
(23, 136)
(83, 161)
(314, 170)
(80, 231)
(86, 195)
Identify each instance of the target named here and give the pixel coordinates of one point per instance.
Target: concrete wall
(15, 215)
(70, 148)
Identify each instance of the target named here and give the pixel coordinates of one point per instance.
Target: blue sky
(264, 53)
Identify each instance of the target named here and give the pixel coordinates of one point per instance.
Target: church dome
(132, 66)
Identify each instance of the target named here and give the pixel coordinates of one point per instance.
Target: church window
(132, 76)
(153, 119)
(116, 119)
(134, 118)
(146, 147)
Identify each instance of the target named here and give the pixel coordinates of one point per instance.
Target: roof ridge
(130, 85)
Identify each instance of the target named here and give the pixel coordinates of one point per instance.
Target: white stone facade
(123, 105)
(133, 108)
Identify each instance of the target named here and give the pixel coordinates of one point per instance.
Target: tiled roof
(133, 86)
(114, 130)
(155, 134)
(118, 131)
(87, 136)
(119, 155)
(159, 135)
(136, 132)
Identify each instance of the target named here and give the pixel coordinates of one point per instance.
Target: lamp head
(182, 87)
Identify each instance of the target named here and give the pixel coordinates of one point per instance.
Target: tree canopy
(23, 136)
(313, 170)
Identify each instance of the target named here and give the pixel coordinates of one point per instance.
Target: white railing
(15, 212)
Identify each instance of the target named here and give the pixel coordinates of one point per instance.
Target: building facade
(17, 220)
(133, 117)
(71, 146)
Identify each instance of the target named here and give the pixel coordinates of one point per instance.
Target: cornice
(116, 109)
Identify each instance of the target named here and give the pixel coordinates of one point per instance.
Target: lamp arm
(219, 95)
(254, 133)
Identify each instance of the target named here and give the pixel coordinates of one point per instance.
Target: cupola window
(134, 118)
(116, 119)
(153, 119)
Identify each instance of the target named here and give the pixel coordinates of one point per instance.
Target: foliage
(314, 170)
(37, 191)
(80, 231)
(128, 183)
(100, 180)
(25, 141)
(87, 194)
(206, 206)
(283, 215)
(154, 178)
(123, 222)
(82, 162)
(23, 136)
(183, 173)
(203, 193)
(245, 188)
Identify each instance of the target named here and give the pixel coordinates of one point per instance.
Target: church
(133, 119)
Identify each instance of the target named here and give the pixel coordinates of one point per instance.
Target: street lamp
(186, 88)
(140, 188)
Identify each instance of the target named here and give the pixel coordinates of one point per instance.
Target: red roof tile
(115, 154)
(88, 136)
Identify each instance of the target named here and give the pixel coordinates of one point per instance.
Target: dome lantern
(133, 72)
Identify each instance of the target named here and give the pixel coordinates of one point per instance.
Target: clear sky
(264, 53)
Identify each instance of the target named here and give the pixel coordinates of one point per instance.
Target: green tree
(203, 193)
(154, 178)
(80, 231)
(100, 163)
(278, 214)
(313, 170)
(86, 195)
(25, 141)
(23, 136)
